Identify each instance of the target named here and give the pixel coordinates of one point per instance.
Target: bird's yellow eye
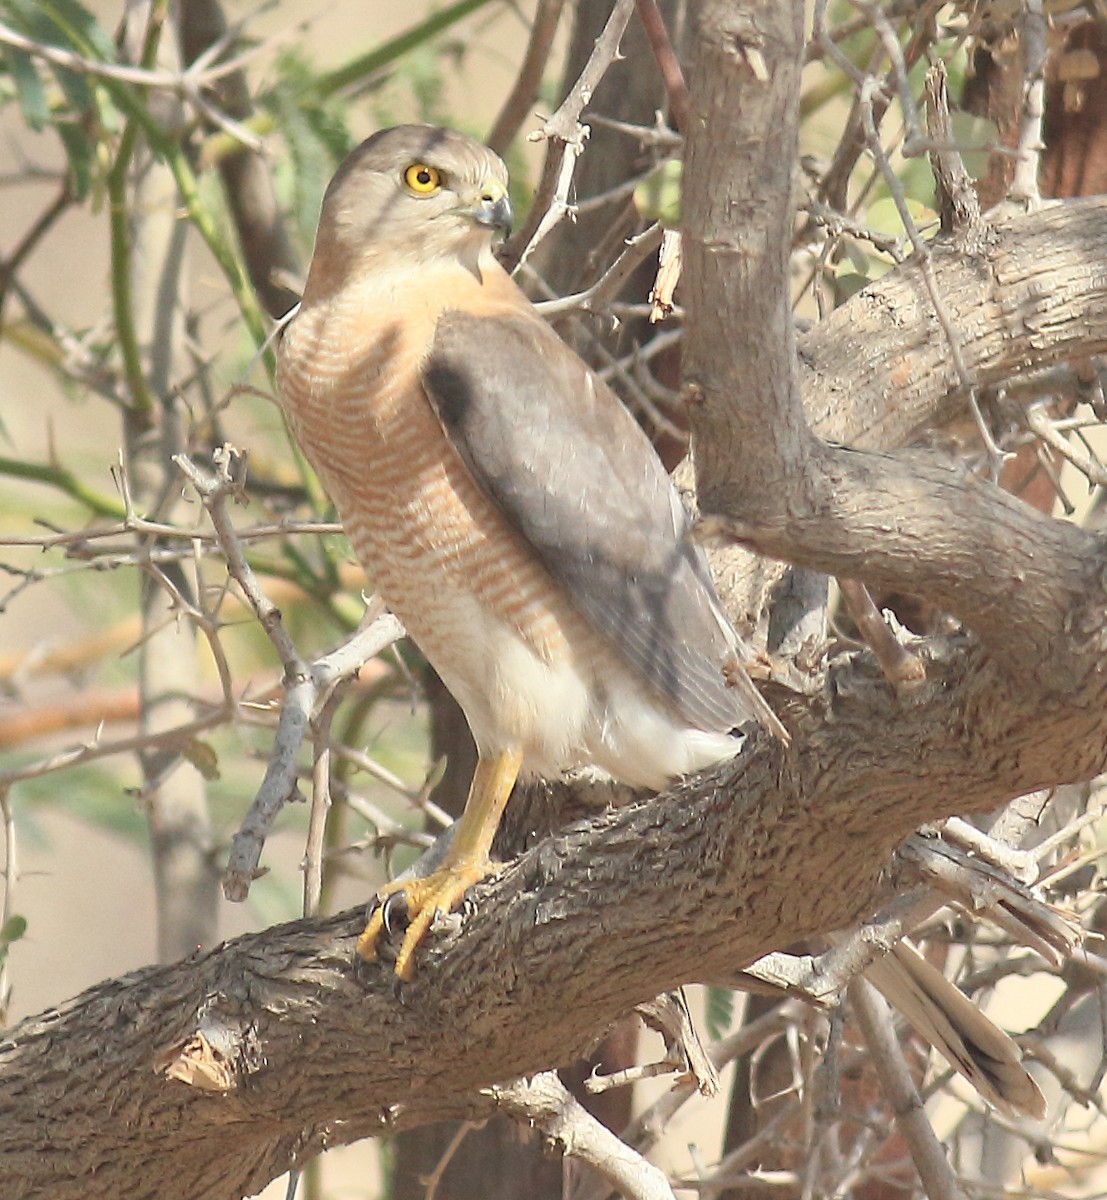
(423, 180)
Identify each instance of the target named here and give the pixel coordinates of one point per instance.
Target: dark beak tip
(497, 214)
(505, 221)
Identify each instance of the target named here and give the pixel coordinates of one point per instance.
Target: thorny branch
(309, 686)
(565, 137)
(949, 876)
(544, 1101)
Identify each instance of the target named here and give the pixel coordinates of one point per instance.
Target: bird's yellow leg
(466, 861)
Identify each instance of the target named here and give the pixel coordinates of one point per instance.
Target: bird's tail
(973, 1044)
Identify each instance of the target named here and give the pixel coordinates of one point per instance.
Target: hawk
(514, 516)
(503, 502)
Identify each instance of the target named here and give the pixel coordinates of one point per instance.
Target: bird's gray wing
(571, 470)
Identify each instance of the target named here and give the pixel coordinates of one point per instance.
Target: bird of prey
(517, 520)
(503, 502)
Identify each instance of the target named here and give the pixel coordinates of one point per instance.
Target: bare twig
(320, 803)
(837, 224)
(545, 1102)
(926, 267)
(957, 198)
(79, 539)
(304, 681)
(646, 1129)
(519, 100)
(592, 299)
(899, 665)
(42, 224)
(432, 1181)
(279, 783)
(875, 1019)
(199, 75)
(1040, 423)
(1024, 183)
(164, 739)
(566, 136)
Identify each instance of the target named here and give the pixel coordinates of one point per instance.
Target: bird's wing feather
(572, 472)
(968, 1038)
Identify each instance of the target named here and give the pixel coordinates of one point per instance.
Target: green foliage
(657, 197)
(316, 132)
(10, 932)
(720, 1012)
(74, 105)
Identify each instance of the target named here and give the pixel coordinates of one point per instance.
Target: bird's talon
(418, 902)
(392, 907)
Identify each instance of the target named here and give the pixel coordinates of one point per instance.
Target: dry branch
(212, 1076)
(314, 1052)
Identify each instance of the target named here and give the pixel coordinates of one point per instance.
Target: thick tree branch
(1028, 294)
(908, 523)
(214, 1075)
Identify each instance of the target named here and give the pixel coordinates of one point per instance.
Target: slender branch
(1032, 42)
(667, 62)
(66, 482)
(42, 225)
(592, 299)
(177, 82)
(320, 803)
(514, 109)
(565, 136)
(545, 1101)
(899, 665)
(927, 1153)
(306, 684)
(247, 180)
(143, 402)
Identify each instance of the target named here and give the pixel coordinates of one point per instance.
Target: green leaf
(657, 197)
(884, 217)
(28, 86)
(80, 152)
(68, 23)
(358, 69)
(720, 1012)
(12, 930)
(315, 133)
(74, 88)
(203, 757)
(849, 283)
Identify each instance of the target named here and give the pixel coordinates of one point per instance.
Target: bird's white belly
(583, 709)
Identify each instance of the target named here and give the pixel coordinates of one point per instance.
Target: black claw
(394, 908)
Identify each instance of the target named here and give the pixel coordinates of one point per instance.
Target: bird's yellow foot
(423, 899)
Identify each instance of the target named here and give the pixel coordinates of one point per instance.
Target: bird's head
(413, 195)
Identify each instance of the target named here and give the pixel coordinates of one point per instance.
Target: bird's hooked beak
(492, 209)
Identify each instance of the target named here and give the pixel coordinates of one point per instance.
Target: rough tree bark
(212, 1076)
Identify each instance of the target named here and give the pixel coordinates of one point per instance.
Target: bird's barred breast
(432, 543)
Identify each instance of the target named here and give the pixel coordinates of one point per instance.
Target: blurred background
(137, 693)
